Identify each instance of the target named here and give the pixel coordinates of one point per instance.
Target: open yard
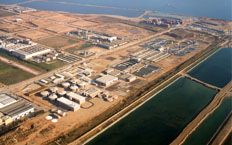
(34, 34)
(84, 23)
(59, 28)
(122, 30)
(57, 41)
(10, 28)
(62, 18)
(11, 75)
(78, 48)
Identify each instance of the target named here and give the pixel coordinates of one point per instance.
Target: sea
(219, 9)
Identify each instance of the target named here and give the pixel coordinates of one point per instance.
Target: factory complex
(99, 39)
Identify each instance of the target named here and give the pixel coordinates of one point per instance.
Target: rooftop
(106, 78)
(6, 100)
(67, 102)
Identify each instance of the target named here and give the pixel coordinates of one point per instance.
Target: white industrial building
(18, 109)
(25, 51)
(76, 97)
(68, 104)
(106, 80)
(6, 100)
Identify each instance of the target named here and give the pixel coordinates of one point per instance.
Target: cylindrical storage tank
(53, 97)
(74, 88)
(61, 93)
(74, 81)
(44, 93)
(54, 89)
(54, 120)
(81, 85)
(65, 84)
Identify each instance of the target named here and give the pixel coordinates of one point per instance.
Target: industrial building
(68, 104)
(25, 50)
(91, 92)
(99, 39)
(18, 109)
(106, 80)
(76, 97)
(6, 100)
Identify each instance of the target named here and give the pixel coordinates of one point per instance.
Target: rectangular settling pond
(216, 70)
(203, 134)
(161, 119)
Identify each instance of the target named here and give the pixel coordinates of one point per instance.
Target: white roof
(6, 100)
(76, 96)
(68, 102)
(106, 78)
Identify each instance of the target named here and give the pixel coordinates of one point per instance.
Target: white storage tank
(45, 94)
(54, 89)
(73, 88)
(61, 93)
(65, 84)
(53, 97)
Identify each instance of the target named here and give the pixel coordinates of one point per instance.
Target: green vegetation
(208, 127)
(57, 41)
(11, 75)
(5, 14)
(48, 67)
(42, 67)
(76, 48)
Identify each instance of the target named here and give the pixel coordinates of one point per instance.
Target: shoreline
(145, 11)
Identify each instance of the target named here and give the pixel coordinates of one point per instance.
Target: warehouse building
(76, 97)
(6, 100)
(68, 104)
(26, 51)
(106, 80)
(18, 109)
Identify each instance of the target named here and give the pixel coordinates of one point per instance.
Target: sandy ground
(33, 34)
(73, 119)
(59, 28)
(62, 18)
(10, 28)
(43, 14)
(122, 30)
(84, 23)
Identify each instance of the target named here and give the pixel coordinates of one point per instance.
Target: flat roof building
(106, 80)
(76, 97)
(18, 109)
(68, 104)
(26, 51)
(6, 100)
